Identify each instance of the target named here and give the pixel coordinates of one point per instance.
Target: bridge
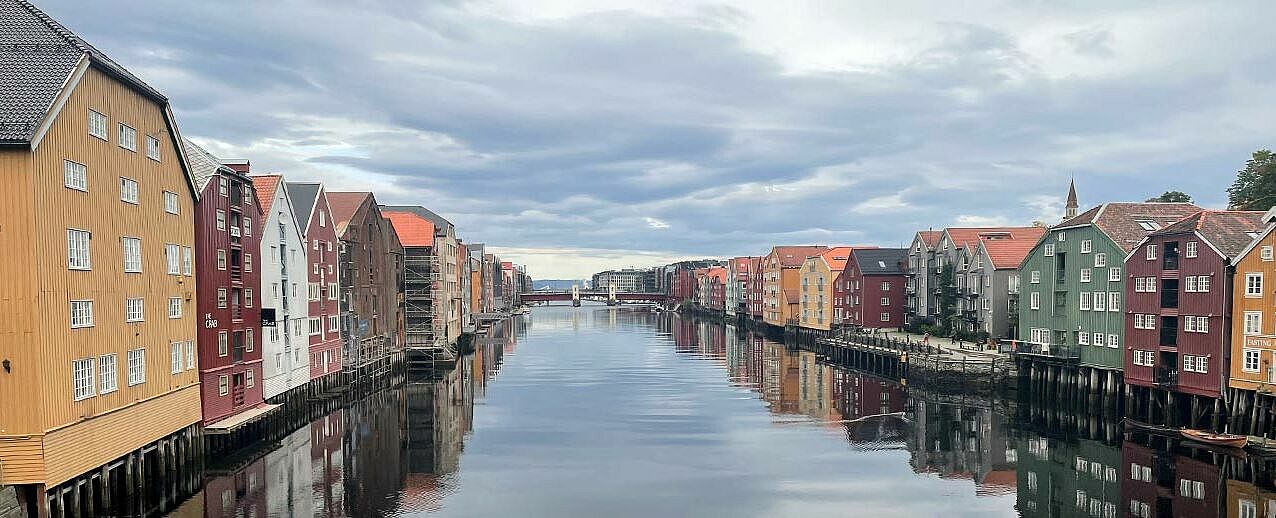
(575, 295)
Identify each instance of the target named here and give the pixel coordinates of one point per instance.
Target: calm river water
(598, 411)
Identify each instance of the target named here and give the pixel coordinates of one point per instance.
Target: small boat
(1217, 439)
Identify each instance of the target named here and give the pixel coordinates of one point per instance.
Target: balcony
(1169, 293)
(1166, 376)
(234, 232)
(1067, 352)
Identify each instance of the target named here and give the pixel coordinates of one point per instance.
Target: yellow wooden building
(97, 315)
(818, 275)
(781, 279)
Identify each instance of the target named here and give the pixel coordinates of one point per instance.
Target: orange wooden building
(781, 277)
(97, 316)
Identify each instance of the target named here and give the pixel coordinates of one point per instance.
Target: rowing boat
(1217, 439)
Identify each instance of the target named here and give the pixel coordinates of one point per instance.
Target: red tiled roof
(794, 256)
(343, 205)
(718, 273)
(968, 237)
(836, 257)
(1228, 230)
(1122, 221)
(413, 230)
(930, 237)
(265, 185)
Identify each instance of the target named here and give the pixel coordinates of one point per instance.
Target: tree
(1173, 196)
(1255, 185)
(947, 300)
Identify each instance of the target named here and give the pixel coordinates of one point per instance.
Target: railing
(1166, 377)
(1054, 351)
(1171, 262)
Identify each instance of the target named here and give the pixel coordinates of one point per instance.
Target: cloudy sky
(585, 135)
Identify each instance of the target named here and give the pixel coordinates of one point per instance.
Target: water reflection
(622, 412)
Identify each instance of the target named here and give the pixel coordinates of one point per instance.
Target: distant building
(819, 275)
(782, 278)
(443, 252)
(628, 280)
(923, 277)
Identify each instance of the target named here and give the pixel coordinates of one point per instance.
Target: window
(1085, 301)
(221, 259)
(1085, 246)
(1113, 341)
(1150, 252)
(886, 301)
(190, 354)
(170, 203)
(1100, 301)
(248, 226)
(1266, 252)
(223, 385)
(75, 175)
(313, 291)
(248, 297)
(152, 148)
(82, 375)
(81, 313)
(222, 340)
(332, 292)
(221, 219)
(248, 262)
(1034, 300)
(107, 373)
(128, 190)
(248, 340)
(175, 350)
(333, 325)
(132, 255)
(1148, 224)
(886, 286)
(173, 256)
(1253, 285)
(1114, 274)
(221, 297)
(128, 137)
(1085, 275)
(97, 125)
(1098, 339)
(1250, 361)
(1189, 284)
(249, 378)
(223, 186)
(316, 327)
(1035, 277)
(1203, 283)
(886, 317)
(133, 309)
(1083, 338)
(323, 221)
(1190, 250)
(1100, 260)
(136, 367)
(1253, 322)
(1114, 301)
(1246, 509)
(1049, 249)
(77, 250)
(187, 259)
(174, 307)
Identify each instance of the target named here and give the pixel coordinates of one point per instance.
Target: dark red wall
(326, 235)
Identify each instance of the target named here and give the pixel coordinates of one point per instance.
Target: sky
(577, 136)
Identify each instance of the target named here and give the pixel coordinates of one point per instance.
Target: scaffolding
(423, 316)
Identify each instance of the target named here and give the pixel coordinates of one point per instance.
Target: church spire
(1070, 211)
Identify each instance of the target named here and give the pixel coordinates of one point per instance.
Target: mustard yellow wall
(815, 315)
(1265, 341)
(43, 341)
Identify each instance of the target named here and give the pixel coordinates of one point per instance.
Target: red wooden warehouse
(875, 279)
(310, 202)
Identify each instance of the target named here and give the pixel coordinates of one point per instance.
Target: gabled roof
(304, 196)
(39, 59)
(1126, 223)
(1228, 231)
(930, 237)
(413, 229)
(266, 185)
(836, 258)
(794, 256)
(439, 221)
(968, 237)
(881, 261)
(344, 206)
(1008, 253)
(718, 273)
(203, 165)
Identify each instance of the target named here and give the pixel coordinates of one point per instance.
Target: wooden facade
(47, 436)
(321, 253)
(781, 277)
(370, 262)
(1253, 351)
(876, 293)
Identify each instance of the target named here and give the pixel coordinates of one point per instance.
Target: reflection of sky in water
(595, 415)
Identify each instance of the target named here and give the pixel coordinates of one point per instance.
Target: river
(598, 411)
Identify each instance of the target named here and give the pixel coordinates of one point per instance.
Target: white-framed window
(886, 317)
(1113, 341)
(133, 309)
(1100, 301)
(107, 373)
(1085, 246)
(1060, 237)
(248, 194)
(190, 354)
(316, 327)
(248, 226)
(97, 125)
(188, 258)
(1249, 363)
(221, 259)
(1035, 277)
(1034, 300)
(221, 219)
(332, 291)
(1100, 260)
(1114, 301)
(170, 203)
(886, 301)
(1097, 339)
(1114, 274)
(1049, 249)
(223, 186)
(132, 254)
(1203, 283)
(1083, 338)
(1190, 249)
(152, 148)
(173, 256)
(128, 190)
(174, 307)
(1149, 252)
(248, 297)
(1085, 275)
(1085, 301)
(1253, 284)
(312, 290)
(221, 297)
(128, 137)
(886, 285)
(223, 343)
(248, 340)
(248, 262)
(1265, 253)
(323, 221)
(136, 366)
(333, 324)
(250, 378)
(175, 352)
(81, 313)
(83, 379)
(77, 250)
(1189, 284)
(1253, 322)
(223, 385)
(75, 175)
(1196, 324)
(1039, 335)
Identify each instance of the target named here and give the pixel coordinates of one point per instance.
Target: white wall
(286, 348)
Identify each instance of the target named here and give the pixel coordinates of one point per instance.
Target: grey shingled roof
(880, 261)
(439, 221)
(204, 166)
(303, 196)
(37, 56)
